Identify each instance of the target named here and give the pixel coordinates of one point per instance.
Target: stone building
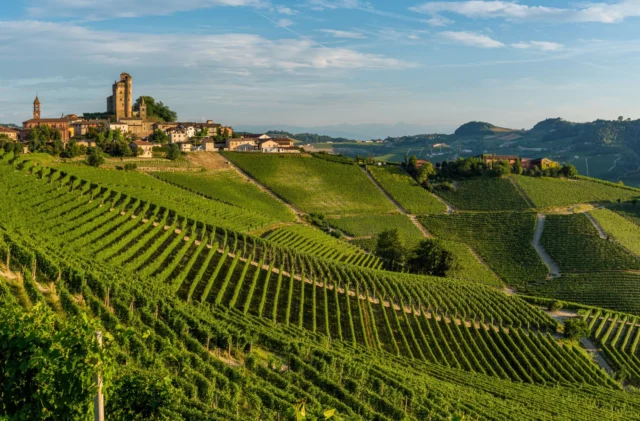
(120, 103)
(10, 133)
(60, 124)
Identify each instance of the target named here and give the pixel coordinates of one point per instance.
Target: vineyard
(619, 336)
(229, 187)
(404, 189)
(313, 241)
(574, 243)
(485, 194)
(315, 185)
(546, 192)
(622, 230)
(244, 327)
(503, 240)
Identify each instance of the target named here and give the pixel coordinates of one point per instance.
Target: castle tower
(36, 108)
(143, 109)
(128, 94)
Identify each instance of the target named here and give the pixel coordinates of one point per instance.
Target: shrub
(576, 329)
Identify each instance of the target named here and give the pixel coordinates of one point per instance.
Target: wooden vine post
(98, 403)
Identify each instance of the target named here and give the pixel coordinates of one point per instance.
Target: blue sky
(411, 65)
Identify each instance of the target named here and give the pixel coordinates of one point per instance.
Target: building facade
(60, 124)
(10, 133)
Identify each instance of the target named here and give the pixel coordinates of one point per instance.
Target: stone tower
(120, 103)
(36, 108)
(142, 109)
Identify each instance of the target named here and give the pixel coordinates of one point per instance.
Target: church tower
(142, 109)
(36, 108)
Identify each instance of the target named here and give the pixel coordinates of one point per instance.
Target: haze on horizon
(403, 67)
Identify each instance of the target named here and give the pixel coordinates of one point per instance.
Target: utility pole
(98, 402)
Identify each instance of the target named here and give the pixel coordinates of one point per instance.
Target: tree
(157, 110)
(501, 168)
(174, 152)
(430, 258)
(517, 167)
(576, 328)
(390, 247)
(140, 395)
(95, 157)
(424, 172)
(556, 305)
(48, 366)
(569, 171)
(159, 136)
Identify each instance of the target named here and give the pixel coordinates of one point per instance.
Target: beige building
(81, 127)
(233, 144)
(123, 127)
(138, 126)
(10, 133)
(142, 149)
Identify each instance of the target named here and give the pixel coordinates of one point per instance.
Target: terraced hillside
(485, 194)
(249, 327)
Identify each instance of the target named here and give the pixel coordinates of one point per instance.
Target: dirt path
(450, 209)
(598, 227)
(398, 206)
(554, 269)
(297, 212)
(596, 353)
(522, 193)
(209, 160)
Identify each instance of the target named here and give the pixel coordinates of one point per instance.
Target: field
(241, 327)
(546, 192)
(573, 242)
(503, 240)
(229, 187)
(618, 291)
(405, 190)
(316, 185)
(622, 230)
(485, 194)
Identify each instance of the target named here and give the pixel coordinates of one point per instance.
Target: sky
(401, 66)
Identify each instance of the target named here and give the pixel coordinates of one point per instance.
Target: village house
(527, 163)
(142, 148)
(10, 133)
(123, 127)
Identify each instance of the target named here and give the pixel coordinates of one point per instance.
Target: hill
(475, 128)
(220, 300)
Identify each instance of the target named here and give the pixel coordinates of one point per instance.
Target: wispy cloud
(343, 34)
(614, 12)
(284, 10)
(472, 39)
(538, 45)
(106, 9)
(284, 23)
(47, 41)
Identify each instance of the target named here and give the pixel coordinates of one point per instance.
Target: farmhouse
(142, 148)
(527, 163)
(10, 133)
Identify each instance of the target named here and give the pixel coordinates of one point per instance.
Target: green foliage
(142, 395)
(622, 230)
(95, 157)
(576, 328)
(157, 110)
(159, 136)
(173, 152)
(430, 258)
(47, 367)
(474, 128)
(372, 225)
(390, 248)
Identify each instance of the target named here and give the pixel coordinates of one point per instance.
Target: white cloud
(472, 39)
(581, 12)
(46, 43)
(284, 23)
(343, 34)
(283, 10)
(105, 9)
(437, 20)
(538, 45)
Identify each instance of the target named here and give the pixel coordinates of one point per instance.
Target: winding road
(554, 268)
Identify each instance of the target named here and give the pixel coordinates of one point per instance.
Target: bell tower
(142, 109)
(36, 108)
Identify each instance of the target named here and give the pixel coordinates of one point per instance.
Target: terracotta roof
(8, 130)
(47, 120)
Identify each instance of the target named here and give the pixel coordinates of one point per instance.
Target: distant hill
(10, 125)
(479, 128)
(308, 137)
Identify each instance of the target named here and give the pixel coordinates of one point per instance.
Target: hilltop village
(130, 122)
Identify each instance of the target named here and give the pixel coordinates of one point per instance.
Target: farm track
(597, 226)
(554, 268)
(522, 193)
(402, 210)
